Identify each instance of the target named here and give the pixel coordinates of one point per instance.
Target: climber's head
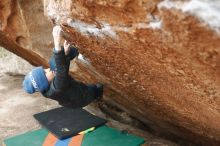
(38, 80)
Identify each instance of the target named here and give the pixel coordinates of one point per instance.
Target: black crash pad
(65, 122)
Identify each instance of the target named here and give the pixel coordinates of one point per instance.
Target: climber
(56, 83)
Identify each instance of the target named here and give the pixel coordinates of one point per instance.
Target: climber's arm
(62, 79)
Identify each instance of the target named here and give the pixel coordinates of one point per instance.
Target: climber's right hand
(57, 32)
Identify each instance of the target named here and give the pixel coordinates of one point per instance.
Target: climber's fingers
(57, 30)
(66, 46)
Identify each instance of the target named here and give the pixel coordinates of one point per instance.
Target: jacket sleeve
(72, 54)
(62, 78)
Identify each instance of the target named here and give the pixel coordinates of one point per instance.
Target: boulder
(159, 60)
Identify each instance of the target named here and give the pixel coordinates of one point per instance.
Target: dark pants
(79, 95)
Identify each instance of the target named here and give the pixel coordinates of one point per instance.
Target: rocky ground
(17, 107)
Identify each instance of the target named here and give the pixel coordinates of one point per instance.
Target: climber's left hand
(66, 46)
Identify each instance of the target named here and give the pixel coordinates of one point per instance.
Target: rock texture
(159, 60)
(24, 30)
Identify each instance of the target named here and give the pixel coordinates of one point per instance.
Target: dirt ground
(17, 107)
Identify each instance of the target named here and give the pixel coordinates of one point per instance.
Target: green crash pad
(102, 136)
(106, 136)
(32, 138)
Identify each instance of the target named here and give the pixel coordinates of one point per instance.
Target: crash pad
(66, 122)
(107, 136)
(102, 136)
(42, 137)
(32, 138)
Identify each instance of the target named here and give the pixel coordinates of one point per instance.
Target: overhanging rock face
(160, 57)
